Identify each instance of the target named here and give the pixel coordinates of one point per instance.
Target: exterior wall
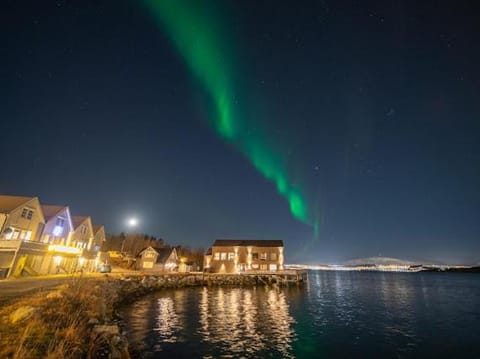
(170, 264)
(99, 238)
(54, 232)
(82, 236)
(24, 228)
(232, 259)
(20, 240)
(207, 261)
(148, 259)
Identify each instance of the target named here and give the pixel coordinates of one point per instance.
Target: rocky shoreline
(80, 319)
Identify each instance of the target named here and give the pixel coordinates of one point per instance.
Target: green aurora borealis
(197, 35)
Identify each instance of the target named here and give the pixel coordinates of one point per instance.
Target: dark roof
(96, 229)
(163, 254)
(10, 203)
(248, 242)
(208, 252)
(78, 220)
(51, 211)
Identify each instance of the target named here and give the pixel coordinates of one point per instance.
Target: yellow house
(82, 236)
(21, 224)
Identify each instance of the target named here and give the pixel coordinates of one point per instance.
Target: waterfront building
(158, 259)
(234, 256)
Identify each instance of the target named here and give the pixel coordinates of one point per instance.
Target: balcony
(9, 244)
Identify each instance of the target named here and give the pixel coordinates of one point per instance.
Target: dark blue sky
(375, 103)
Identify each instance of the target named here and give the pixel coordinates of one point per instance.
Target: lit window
(223, 256)
(231, 255)
(28, 235)
(254, 266)
(263, 256)
(57, 231)
(16, 233)
(273, 256)
(8, 233)
(216, 256)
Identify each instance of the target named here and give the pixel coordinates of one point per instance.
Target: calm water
(338, 315)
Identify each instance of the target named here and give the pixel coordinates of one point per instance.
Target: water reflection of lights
(167, 323)
(246, 321)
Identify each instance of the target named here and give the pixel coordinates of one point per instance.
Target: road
(11, 288)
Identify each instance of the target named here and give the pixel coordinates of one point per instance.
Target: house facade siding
(231, 256)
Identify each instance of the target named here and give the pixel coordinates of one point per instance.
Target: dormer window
(27, 213)
(60, 222)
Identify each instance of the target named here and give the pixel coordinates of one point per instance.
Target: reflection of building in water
(170, 320)
(233, 256)
(246, 322)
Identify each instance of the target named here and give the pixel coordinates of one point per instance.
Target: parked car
(104, 268)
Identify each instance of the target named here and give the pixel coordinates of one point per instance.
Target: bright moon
(132, 222)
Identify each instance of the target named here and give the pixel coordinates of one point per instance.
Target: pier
(278, 278)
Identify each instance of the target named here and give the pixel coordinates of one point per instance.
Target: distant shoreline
(390, 268)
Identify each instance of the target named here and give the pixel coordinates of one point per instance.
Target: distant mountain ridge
(381, 261)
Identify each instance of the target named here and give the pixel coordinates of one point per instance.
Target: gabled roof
(50, 211)
(248, 242)
(10, 203)
(163, 254)
(96, 229)
(78, 220)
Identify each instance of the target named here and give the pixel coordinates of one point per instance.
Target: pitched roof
(50, 211)
(78, 220)
(96, 229)
(163, 254)
(10, 203)
(248, 242)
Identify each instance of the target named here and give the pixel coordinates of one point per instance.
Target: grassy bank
(58, 323)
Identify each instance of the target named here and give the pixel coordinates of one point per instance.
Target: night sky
(354, 125)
